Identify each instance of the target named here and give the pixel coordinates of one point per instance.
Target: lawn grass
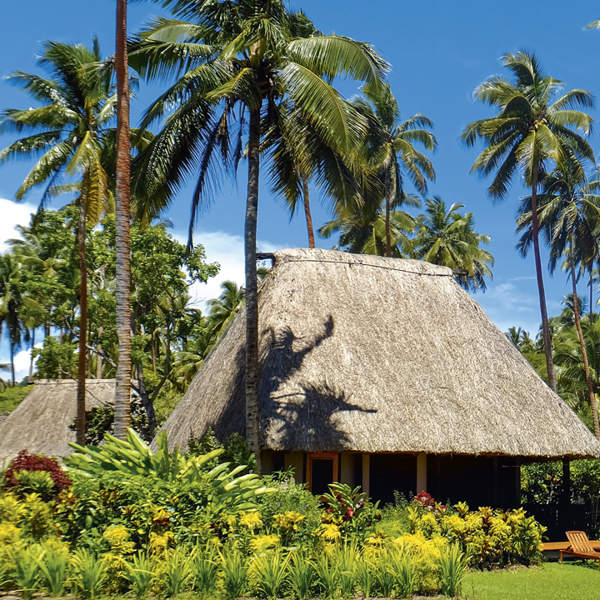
(11, 397)
(551, 581)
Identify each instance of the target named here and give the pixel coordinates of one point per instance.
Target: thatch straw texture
(378, 355)
(40, 424)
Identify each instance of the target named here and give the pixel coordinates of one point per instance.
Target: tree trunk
(252, 408)
(591, 292)
(123, 216)
(586, 366)
(309, 223)
(388, 236)
(31, 357)
(81, 367)
(99, 355)
(540, 282)
(12, 362)
(146, 401)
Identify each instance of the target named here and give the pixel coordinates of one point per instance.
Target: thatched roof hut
(41, 423)
(376, 355)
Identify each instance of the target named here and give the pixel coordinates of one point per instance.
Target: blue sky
(439, 52)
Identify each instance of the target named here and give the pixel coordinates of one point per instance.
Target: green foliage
(327, 575)
(11, 397)
(27, 569)
(268, 572)
(404, 570)
(35, 482)
(55, 359)
(300, 575)
(140, 574)
(53, 569)
(349, 509)
(488, 537)
(177, 572)
(453, 566)
(89, 573)
(234, 448)
(235, 573)
(205, 572)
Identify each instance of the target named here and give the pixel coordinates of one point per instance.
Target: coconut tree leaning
(530, 131)
(123, 238)
(67, 130)
(569, 215)
(240, 60)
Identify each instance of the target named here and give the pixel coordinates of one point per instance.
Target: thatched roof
(378, 355)
(40, 424)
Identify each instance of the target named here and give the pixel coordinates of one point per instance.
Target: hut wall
(351, 468)
(295, 460)
(392, 472)
(477, 480)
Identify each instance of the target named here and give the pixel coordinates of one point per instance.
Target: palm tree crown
(445, 237)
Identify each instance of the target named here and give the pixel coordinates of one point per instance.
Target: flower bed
(122, 519)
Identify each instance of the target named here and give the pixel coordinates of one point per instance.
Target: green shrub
(53, 569)
(140, 574)
(205, 572)
(269, 573)
(300, 575)
(177, 572)
(488, 537)
(453, 566)
(34, 482)
(89, 573)
(27, 570)
(327, 574)
(235, 573)
(404, 570)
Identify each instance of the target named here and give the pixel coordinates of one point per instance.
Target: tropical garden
(100, 288)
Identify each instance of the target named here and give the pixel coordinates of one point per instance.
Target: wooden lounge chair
(580, 547)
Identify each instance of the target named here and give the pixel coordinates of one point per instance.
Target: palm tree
(242, 59)
(123, 236)
(299, 154)
(364, 229)
(68, 129)
(390, 148)
(11, 304)
(532, 128)
(445, 237)
(225, 307)
(569, 215)
(572, 373)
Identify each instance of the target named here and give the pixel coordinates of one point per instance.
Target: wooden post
(421, 473)
(366, 475)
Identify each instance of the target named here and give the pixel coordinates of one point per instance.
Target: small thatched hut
(383, 372)
(41, 423)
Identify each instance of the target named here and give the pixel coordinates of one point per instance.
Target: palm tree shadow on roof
(297, 413)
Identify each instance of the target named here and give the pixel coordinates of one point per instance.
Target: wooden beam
(366, 474)
(421, 473)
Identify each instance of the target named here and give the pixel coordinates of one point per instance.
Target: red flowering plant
(17, 475)
(348, 508)
(426, 500)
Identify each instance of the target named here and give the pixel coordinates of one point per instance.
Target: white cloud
(513, 302)
(227, 250)
(12, 214)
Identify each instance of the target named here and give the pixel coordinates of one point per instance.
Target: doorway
(321, 470)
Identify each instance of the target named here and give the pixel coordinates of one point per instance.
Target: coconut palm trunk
(81, 367)
(123, 242)
(12, 362)
(388, 193)
(535, 229)
(31, 358)
(586, 365)
(252, 409)
(307, 213)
